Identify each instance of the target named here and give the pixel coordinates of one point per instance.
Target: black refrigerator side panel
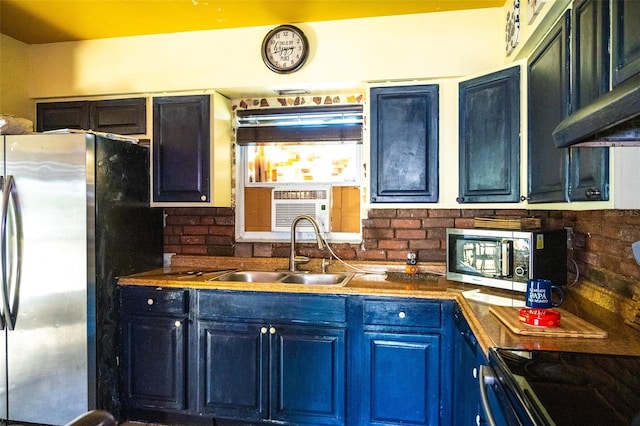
(128, 240)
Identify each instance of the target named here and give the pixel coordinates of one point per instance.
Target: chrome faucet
(293, 258)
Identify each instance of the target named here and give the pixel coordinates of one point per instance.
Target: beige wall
(14, 78)
(342, 53)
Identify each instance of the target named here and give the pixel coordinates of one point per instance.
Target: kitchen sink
(252, 276)
(285, 277)
(323, 279)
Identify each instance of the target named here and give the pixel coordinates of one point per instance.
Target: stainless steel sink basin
(321, 279)
(253, 276)
(285, 277)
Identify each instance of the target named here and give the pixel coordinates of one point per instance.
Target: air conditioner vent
(300, 195)
(285, 213)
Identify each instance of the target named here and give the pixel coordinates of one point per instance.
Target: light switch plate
(636, 251)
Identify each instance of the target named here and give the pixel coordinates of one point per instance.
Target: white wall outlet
(569, 237)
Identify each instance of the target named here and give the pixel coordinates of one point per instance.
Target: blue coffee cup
(539, 294)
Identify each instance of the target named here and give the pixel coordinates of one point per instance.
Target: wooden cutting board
(570, 325)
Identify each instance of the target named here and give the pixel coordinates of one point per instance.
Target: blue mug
(539, 292)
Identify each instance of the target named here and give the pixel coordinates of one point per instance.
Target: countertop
(489, 331)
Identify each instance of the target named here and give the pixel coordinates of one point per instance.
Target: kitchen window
(299, 160)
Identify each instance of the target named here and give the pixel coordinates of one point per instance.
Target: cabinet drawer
(401, 313)
(147, 300)
(272, 306)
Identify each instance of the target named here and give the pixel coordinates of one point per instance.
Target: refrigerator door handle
(11, 256)
(4, 301)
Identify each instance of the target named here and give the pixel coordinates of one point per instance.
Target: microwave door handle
(486, 378)
(506, 259)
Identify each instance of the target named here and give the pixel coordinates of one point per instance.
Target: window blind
(342, 123)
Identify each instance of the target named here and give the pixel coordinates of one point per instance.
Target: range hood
(611, 120)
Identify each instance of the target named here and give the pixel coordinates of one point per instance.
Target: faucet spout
(293, 258)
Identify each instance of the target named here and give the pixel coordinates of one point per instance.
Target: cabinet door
(62, 115)
(181, 162)
(466, 392)
(122, 116)
(155, 362)
(589, 167)
(625, 42)
(548, 105)
(401, 378)
(489, 155)
(233, 363)
(404, 144)
(308, 374)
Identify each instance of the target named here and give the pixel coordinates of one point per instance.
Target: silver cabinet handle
(263, 330)
(486, 378)
(272, 330)
(592, 193)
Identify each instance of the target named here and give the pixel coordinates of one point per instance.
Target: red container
(539, 317)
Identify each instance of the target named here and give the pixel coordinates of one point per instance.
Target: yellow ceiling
(48, 21)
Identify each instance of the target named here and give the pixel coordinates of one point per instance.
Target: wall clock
(285, 49)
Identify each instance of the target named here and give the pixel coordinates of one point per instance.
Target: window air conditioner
(287, 204)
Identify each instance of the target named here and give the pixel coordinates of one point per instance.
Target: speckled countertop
(489, 331)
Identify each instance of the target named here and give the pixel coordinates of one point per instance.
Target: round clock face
(285, 49)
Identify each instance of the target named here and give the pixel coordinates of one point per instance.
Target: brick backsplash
(601, 238)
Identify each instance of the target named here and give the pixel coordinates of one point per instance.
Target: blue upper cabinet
(489, 142)
(548, 105)
(181, 160)
(122, 116)
(625, 42)
(404, 144)
(589, 167)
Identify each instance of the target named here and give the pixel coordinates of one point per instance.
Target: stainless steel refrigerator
(75, 215)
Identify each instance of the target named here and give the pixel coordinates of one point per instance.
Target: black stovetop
(568, 388)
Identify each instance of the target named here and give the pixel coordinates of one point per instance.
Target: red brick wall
(602, 238)
(602, 247)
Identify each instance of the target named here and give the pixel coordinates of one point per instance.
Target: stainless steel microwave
(506, 259)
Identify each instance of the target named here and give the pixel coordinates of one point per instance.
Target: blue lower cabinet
(273, 358)
(154, 336)
(308, 375)
(401, 379)
(233, 379)
(155, 363)
(401, 361)
(250, 358)
(467, 358)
